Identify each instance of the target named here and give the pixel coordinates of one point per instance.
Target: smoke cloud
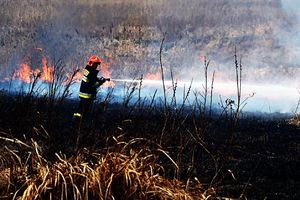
(127, 35)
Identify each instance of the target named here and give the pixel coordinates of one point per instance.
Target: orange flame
(25, 73)
(154, 76)
(48, 71)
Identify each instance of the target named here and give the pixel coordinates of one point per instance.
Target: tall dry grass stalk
(122, 171)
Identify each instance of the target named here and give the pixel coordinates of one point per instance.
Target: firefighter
(88, 88)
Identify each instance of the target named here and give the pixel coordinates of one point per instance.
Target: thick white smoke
(266, 34)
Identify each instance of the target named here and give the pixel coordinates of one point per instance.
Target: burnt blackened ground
(265, 158)
(257, 159)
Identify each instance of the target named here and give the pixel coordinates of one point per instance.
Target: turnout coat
(89, 83)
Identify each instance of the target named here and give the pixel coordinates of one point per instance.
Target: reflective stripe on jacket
(86, 95)
(88, 85)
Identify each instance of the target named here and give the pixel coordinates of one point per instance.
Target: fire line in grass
(46, 73)
(25, 72)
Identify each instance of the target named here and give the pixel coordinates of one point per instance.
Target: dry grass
(122, 171)
(294, 121)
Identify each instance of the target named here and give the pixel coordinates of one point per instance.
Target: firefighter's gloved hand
(99, 82)
(102, 80)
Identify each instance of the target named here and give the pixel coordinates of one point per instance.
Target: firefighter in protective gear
(89, 84)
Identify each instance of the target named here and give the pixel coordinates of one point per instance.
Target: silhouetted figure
(88, 90)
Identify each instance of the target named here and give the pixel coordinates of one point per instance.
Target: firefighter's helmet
(94, 59)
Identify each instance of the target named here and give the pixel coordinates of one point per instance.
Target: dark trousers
(83, 107)
(79, 116)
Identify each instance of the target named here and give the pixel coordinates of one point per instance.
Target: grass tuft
(122, 171)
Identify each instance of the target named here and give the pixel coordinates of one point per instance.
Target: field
(138, 142)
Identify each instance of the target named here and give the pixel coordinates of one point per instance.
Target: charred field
(141, 151)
